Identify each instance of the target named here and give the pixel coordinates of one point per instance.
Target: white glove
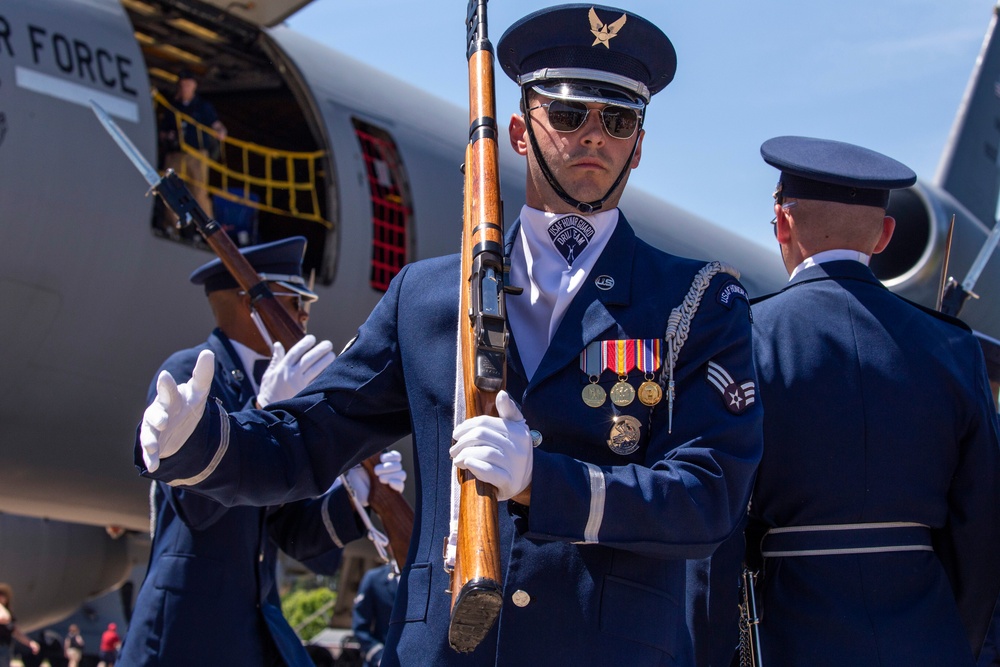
(390, 471)
(288, 374)
(172, 417)
(497, 450)
(357, 479)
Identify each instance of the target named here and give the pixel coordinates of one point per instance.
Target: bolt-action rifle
(476, 580)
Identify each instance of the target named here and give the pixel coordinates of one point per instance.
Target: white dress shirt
(247, 359)
(831, 256)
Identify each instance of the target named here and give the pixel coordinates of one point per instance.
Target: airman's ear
(518, 131)
(888, 227)
(783, 224)
(638, 149)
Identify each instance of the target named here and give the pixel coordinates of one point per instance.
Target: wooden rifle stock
(395, 513)
(476, 580)
(282, 326)
(391, 507)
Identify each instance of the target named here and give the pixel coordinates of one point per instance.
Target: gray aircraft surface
(93, 277)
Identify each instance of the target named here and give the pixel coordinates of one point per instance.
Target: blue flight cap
(279, 262)
(599, 45)
(834, 171)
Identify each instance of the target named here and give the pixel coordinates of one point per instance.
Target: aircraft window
(392, 206)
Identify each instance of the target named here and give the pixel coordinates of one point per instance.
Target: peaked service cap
(278, 261)
(834, 171)
(591, 43)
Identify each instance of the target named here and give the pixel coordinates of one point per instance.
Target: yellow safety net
(267, 179)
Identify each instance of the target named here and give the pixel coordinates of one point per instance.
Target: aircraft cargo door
(268, 176)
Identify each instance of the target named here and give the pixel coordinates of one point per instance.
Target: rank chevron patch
(736, 396)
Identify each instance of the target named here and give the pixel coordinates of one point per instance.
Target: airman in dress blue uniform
(879, 490)
(628, 435)
(210, 596)
(372, 610)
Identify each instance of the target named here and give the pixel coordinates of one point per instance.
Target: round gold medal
(594, 395)
(625, 433)
(622, 393)
(650, 393)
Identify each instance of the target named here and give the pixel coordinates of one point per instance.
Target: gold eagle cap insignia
(603, 33)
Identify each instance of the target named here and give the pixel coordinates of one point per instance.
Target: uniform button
(536, 438)
(520, 598)
(261, 557)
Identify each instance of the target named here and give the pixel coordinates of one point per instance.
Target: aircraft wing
(264, 13)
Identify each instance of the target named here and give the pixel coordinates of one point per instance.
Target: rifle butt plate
(474, 613)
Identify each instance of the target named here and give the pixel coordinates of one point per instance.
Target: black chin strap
(583, 207)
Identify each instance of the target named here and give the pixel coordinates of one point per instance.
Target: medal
(650, 393)
(621, 359)
(594, 395)
(622, 393)
(624, 437)
(592, 363)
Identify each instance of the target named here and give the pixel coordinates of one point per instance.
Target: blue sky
(886, 74)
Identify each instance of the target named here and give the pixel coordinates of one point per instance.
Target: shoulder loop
(727, 268)
(954, 321)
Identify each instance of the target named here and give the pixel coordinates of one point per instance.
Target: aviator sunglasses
(296, 300)
(619, 121)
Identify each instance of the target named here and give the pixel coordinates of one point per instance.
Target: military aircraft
(93, 275)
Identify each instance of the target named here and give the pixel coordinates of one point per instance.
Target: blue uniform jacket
(601, 553)
(209, 597)
(372, 610)
(875, 411)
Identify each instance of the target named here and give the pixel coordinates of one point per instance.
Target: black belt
(846, 538)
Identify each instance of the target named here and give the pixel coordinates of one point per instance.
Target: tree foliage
(300, 604)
